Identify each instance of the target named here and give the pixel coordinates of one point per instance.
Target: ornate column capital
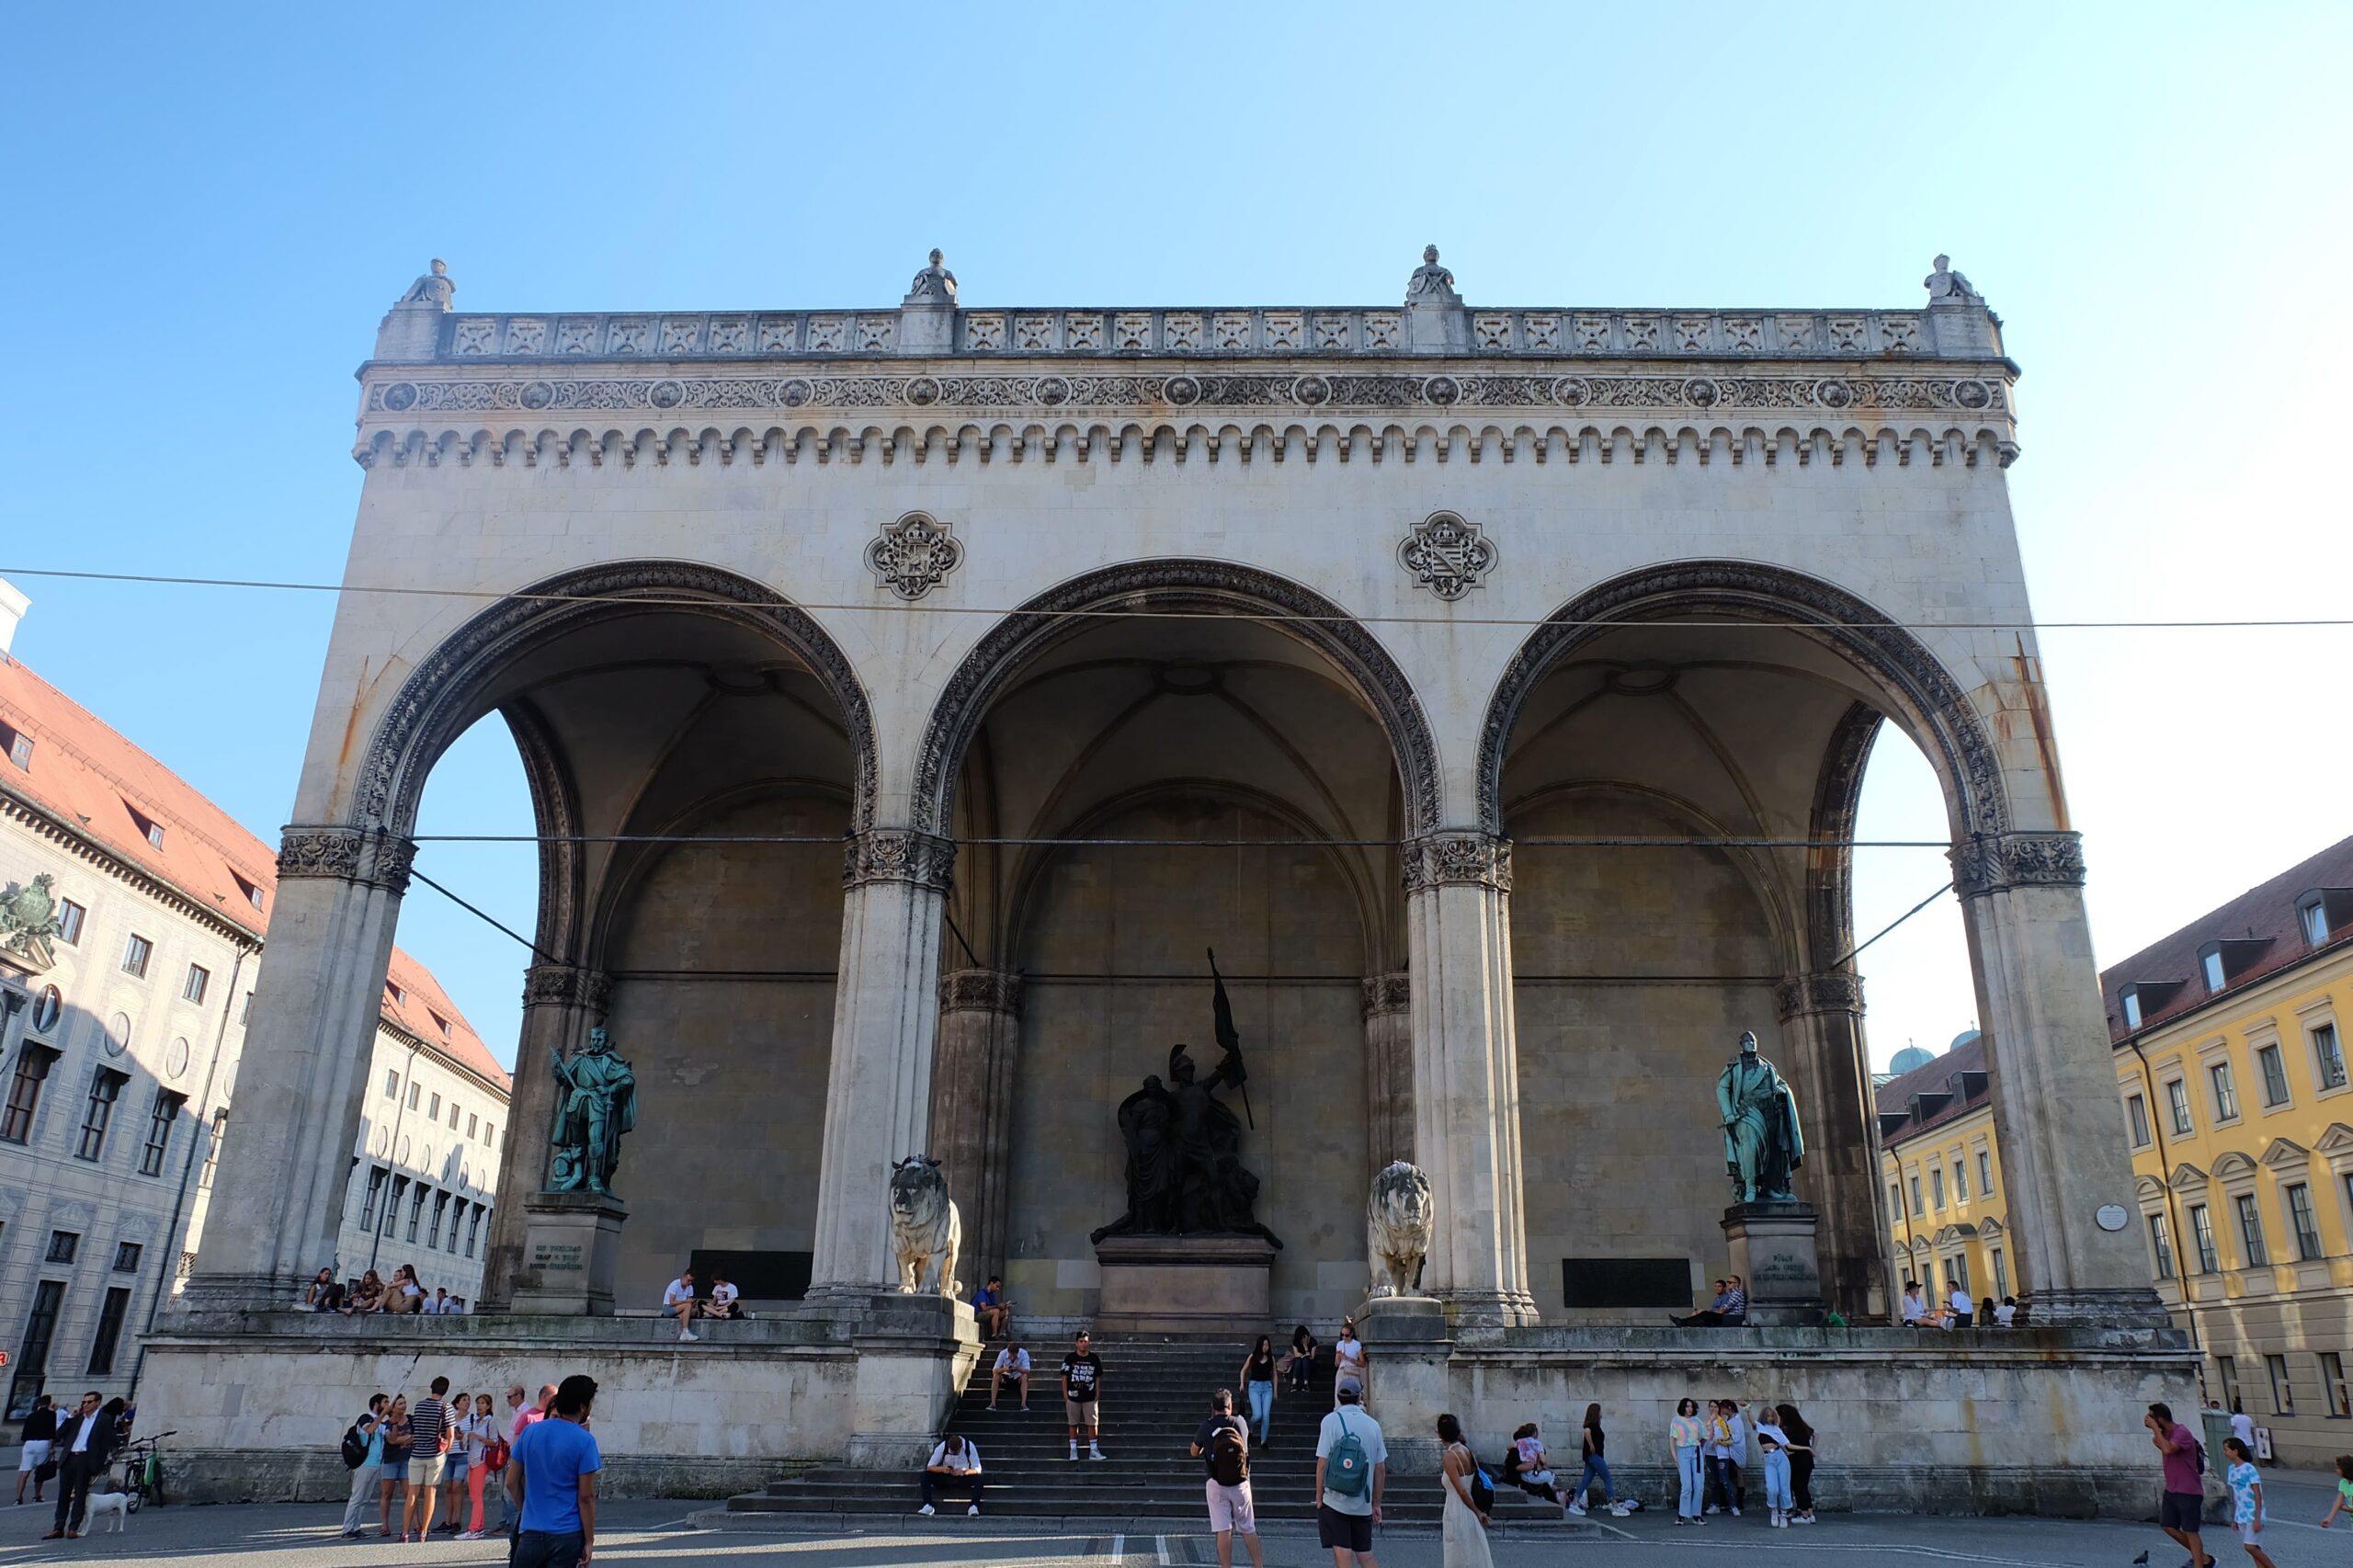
(980, 991)
(566, 985)
(1828, 991)
(1993, 862)
(1438, 860)
(369, 856)
(1385, 994)
(898, 854)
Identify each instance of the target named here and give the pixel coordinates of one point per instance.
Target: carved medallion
(1446, 555)
(914, 555)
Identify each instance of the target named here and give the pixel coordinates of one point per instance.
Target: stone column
(1388, 1069)
(878, 1092)
(971, 1106)
(1466, 1075)
(304, 1067)
(1821, 1020)
(560, 1002)
(2054, 1099)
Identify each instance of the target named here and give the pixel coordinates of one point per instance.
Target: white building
(133, 917)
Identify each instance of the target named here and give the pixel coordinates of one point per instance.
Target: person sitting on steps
(954, 1462)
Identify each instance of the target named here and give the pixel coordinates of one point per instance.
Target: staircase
(1156, 1393)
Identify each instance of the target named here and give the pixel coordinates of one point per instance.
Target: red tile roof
(2263, 914)
(90, 779)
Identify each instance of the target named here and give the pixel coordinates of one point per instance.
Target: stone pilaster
(2054, 1099)
(303, 1072)
(971, 1106)
(560, 1003)
(1466, 1075)
(1388, 1069)
(1821, 1020)
(886, 1011)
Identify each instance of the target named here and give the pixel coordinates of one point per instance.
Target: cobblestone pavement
(657, 1535)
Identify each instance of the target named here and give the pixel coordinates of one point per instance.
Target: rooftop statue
(1431, 284)
(596, 1103)
(935, 285)
(434, 288)
(1763, 1143)
(28, 921)
(1947, 287)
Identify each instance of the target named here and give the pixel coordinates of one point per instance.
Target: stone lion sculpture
(925, 1231)
(1398, 1219)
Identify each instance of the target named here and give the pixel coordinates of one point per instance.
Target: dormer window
(19, 745)
(395, 994)
(2210, 963)
(439, 1022)
(149, 828)
(2143, 999)
(2323, 911)
(251, 889)
(2131, 1007)
(2225, 963)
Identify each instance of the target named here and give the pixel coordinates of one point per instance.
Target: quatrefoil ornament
(914, 555)
(1446, 555)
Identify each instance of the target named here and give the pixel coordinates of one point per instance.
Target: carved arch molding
(1900, 664)
(1051, 617)
(441, 694)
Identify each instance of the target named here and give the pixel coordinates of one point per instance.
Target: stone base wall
(228, 1475)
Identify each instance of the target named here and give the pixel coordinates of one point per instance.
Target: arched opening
(1234, 782)
(1677, 764)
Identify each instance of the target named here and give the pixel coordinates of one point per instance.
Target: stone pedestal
(571, 1244)
(1410, 1344)
(1185, 1284)
(1773, 1252)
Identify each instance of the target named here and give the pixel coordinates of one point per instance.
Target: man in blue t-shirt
(553, 1476)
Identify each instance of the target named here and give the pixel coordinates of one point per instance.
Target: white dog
(115, 1502)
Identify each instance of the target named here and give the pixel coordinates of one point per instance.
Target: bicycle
(140, 1469)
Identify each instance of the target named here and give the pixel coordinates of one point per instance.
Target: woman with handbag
(1462, 1528)
(480, 1433)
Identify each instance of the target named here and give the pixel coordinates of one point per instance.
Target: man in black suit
(85, 1441)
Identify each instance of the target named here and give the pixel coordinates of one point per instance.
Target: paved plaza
(654, 1534)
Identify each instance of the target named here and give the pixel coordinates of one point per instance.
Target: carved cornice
(1387, 993)
(566, 985)
(367, 856)
(1831, 990)
(1443, 859)
(898, 854)
(980, 991)
(211, 915)
(1995, 861)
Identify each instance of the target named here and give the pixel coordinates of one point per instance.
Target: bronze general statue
(596, 1103)
(1184, 1165)
(1763, 1143)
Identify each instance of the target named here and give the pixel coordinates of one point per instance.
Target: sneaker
(472, 1535)
(1735, 1513)
(1094, 1453)
(974, 1512)
(1576, 1510)
(926, 1510)
(1712, 1508)
(1074, 1450)
(355, 1535)
(684, 1335)
(1620, 1510)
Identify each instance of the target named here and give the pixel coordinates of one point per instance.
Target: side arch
(1179, 582)
(1934, 706)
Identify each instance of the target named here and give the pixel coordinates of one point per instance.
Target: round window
(47, 1011)
(175, 1059)
(118, 1034)
(403, 1151)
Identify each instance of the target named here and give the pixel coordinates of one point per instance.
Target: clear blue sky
(214, 206)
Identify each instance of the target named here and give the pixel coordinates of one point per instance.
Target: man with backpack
(363, 1455)
(2181, 1504)
(1222, 1444)
(1351, 1471)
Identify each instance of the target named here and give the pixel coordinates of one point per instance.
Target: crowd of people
(1957, 1311)
(370, 1293)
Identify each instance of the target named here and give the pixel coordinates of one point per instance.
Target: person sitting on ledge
(1915, 1306)
(991, 1307)
(1730, 1309)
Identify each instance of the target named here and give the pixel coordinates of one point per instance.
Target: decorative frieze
(1446, 555)
(1440, 859)
(1995, 861)
(1387, 993)
(567, 985)
(369, 856)
(898, 854)
(980, 990)
(1831, 990)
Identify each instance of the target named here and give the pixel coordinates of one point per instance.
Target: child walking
(2247, 1501)
(2344, 1503)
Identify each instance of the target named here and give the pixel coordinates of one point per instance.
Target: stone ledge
(243, 1475)
(806, 1328)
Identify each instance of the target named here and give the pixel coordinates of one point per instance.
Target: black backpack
(1483, 1491)
(1228, 1461)
(355, 1448)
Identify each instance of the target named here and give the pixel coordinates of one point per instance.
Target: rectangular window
(1957, 1275)
(246, 1011)
(473, 1122)
(473, 1228)
(2212, 964)
(1936, 1185)
(2178, 1105)
(19, 745)
(70, 917)
(1985, 1174)
(213, 1147)
(2226, 1374)
(2251, 1230)
(2226, 1099)
(162, 1117)
(135, 954)
(1916, 1210)
(33, 1063)
(415, 1093)
(433, 1110)
(1895, 1199)
(106, 1087)
(392, 1084)
(125, 1256)
(2283, 1397)
(2300, 1215)
(109, 1335)
(48, 1298)
(376, 1175)
(2161, 1246)
(2001, 1274)
(63, 1245)
(440, 1208)
(393, 1208)
(2315, 922)
(199, 980)
(2201, 1231)
(1960, 1182)
(2328, 1056)
(415, 1209)
(2275, 1074)
(2332, 1383)
(2136, 1116)
(2132, 1009)
(453, 1116)
(490, 1135)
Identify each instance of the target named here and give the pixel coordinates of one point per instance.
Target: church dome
(1963, 1038)
(1908, 1058)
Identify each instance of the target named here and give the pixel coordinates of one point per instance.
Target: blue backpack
(1345, 1470)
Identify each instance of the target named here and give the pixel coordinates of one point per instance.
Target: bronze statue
(1763, 1143)
(1184, 1166)
(596, 1103)
(29, 920)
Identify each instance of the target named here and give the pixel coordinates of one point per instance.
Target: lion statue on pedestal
(1398, 1219)
(925, 1231)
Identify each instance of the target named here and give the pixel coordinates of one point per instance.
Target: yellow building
(1941, 1170)
(2229, 1057)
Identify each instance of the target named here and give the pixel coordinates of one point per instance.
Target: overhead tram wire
(1261, 614)
(838, 840)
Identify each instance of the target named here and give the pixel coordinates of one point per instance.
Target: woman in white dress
(1462, 1532)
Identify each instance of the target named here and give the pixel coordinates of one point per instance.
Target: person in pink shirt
(526, 1415)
